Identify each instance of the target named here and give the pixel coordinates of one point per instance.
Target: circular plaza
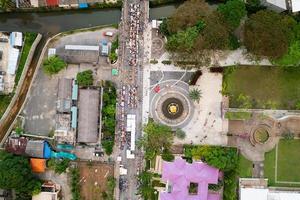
(172, 107)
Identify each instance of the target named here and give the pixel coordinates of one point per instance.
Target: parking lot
(40, 108)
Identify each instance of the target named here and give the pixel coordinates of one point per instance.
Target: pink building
(180, 176)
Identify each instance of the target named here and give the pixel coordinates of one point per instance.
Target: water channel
(55, 22)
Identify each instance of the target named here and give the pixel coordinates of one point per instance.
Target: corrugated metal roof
(64, 95)
(35, 148)
(74, 117)
(88, 115)
(82, 47)
(75, 91)
(13, 56)
(278, 3)
(16, 39)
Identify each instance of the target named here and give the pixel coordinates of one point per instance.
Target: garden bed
(262, 87)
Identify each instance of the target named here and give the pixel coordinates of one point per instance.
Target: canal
(55, 22)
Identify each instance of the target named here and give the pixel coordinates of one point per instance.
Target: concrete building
(38, 149)
(293, 5)
(254, 188)
(88, 119)
(49, 191)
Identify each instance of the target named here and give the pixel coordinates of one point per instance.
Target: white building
(294, 5)
(16, 39)
(256, 189)
(13, 56)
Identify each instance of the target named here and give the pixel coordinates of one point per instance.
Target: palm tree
(195, 94)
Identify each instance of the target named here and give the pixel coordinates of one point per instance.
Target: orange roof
(38, 165)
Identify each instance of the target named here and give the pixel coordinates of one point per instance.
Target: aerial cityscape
(149, 100)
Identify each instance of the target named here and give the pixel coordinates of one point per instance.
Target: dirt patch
(93, 179)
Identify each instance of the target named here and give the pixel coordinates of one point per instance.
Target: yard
(288, 163)
(94, 180)
(245, 167)
(262, 87)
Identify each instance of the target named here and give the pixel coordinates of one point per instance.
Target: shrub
(153, 61)
(179, 133)
(167, 156)
(166, 62)
(59, 166)
(85, 78)
(75, 184)
(288, 135)
(238, 115)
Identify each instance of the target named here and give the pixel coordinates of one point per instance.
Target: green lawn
(288, 162)
(245, 167)
(262, 87)
(4, 102)
(269, 166)
(29, 39)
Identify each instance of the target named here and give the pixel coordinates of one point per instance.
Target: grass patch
(29, 39)
(4, 102)
(245, 167)
(287, 163)
(238, 115)
(262, 87)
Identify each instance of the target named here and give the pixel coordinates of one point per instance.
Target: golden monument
(173, 108)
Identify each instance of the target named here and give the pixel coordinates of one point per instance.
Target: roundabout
(172, 107)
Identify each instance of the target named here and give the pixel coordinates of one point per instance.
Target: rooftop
(179, 175)
(88, 116)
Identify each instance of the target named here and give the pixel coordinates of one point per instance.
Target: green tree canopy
(222, 158)
(53, 65)
(145, 188)
(233, 11)
(85, 78)
(16, 174)
(268, 34)
(187, 15)
(157, 138)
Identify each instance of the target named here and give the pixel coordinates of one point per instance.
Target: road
(135, 16)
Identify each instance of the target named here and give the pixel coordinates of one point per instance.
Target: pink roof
(180, 174)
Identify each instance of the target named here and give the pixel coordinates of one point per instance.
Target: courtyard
(262, 87)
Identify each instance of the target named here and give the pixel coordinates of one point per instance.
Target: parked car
(2, 72)
(109, 33)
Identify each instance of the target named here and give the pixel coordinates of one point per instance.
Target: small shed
(64, 96)
(74, 117)
(16, 39)
(13, 56)
(38, 149)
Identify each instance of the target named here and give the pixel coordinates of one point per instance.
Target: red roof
(52, 2)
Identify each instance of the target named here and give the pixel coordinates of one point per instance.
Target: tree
(5, 4)
(16, 174)
(268, 34)
(292, 57)
(179, 133)
(223, 158)
(145, 188)
(156, 139)
(215, 35)
(187, 15)
(53, 65)
(195, 94)
(233, 11)
(182, 41)
(254, 6)
(85, 78)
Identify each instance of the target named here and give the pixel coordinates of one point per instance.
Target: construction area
(94, 177)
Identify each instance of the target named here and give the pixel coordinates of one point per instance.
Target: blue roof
(47, 150)
(83, 5)
(75, 92)
(74, 117)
